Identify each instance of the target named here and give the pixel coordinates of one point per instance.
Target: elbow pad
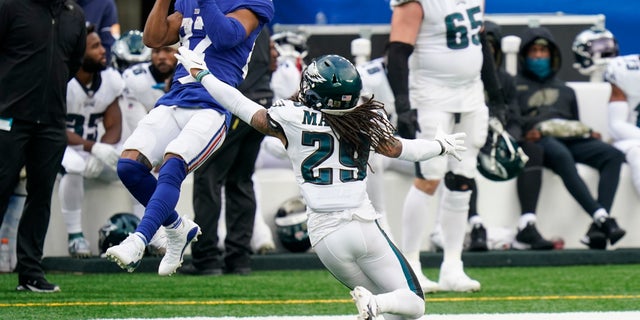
(224, 32)
(398, 73)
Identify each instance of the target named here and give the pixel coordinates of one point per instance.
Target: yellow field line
(318, 301)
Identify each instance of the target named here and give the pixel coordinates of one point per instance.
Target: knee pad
(456, 182)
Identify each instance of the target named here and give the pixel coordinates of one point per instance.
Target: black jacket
(542, 99)
(257, 83)
(42, 44)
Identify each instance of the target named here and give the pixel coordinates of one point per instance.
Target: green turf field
(315, 292)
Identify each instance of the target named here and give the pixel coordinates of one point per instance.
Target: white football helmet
(130, 50)
(290, 45)
(592, 48)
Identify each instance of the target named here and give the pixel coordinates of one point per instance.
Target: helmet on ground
(291, 225)
(129, 50)
(331, 83)
(118, 227)
(500, 159)
(591, 47)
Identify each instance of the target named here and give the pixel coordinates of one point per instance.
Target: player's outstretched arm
(416, 150)
(228, 96)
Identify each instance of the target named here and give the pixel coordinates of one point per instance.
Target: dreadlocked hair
(363, 128)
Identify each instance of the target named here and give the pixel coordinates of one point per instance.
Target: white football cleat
(453, 278)
(128, 253)
(178, 240)
(366, 304)
(79, 248)
(158, 244)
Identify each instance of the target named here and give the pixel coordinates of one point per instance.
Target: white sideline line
(622, 315)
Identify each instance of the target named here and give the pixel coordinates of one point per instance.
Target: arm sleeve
(398, 73)
(416, 150)
(230, 98)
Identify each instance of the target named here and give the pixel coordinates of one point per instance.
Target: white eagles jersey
(140, 86)
(448, 50)
(86, 106)
(312, 144)
(624, 72)
(375, 82)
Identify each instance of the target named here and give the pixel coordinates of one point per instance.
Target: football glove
(190, 60)
(93, 167)
(106, 153)
(408, 124)
(451, 143)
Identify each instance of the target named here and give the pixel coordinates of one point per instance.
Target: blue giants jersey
(226, 64)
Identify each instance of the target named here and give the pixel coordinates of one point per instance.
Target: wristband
(201, 74)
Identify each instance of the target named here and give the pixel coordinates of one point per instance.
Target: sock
(414, 219)
(455, 207)
(475, 220)
(525, 218)
(73, 221)
(141, 236)
(161, 207)
(138, 179)
(600, 214)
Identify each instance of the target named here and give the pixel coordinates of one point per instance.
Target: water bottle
(5, 256)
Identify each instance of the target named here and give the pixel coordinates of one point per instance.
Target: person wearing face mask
(548, 109)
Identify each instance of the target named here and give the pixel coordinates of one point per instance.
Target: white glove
(451, 143)
(190, 60)
(93, 167)
(106, 153)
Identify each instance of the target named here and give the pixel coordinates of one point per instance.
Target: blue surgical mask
(541, 67)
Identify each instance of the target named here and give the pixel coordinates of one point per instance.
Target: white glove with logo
(451, 143)
(191, 60)
(106, 153)
(93, 168)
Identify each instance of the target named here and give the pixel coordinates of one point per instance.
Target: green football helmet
(332, 84)
(129, 50)
(500, 159)
(291, 225)
(117, 228)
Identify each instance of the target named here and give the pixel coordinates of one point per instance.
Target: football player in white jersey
(145, 83)
(434, 63)
(329, 136)
(623, 73)
(93, 133)
(598, 49)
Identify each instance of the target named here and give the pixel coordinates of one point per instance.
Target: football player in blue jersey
(329, 137)
(187, 125)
